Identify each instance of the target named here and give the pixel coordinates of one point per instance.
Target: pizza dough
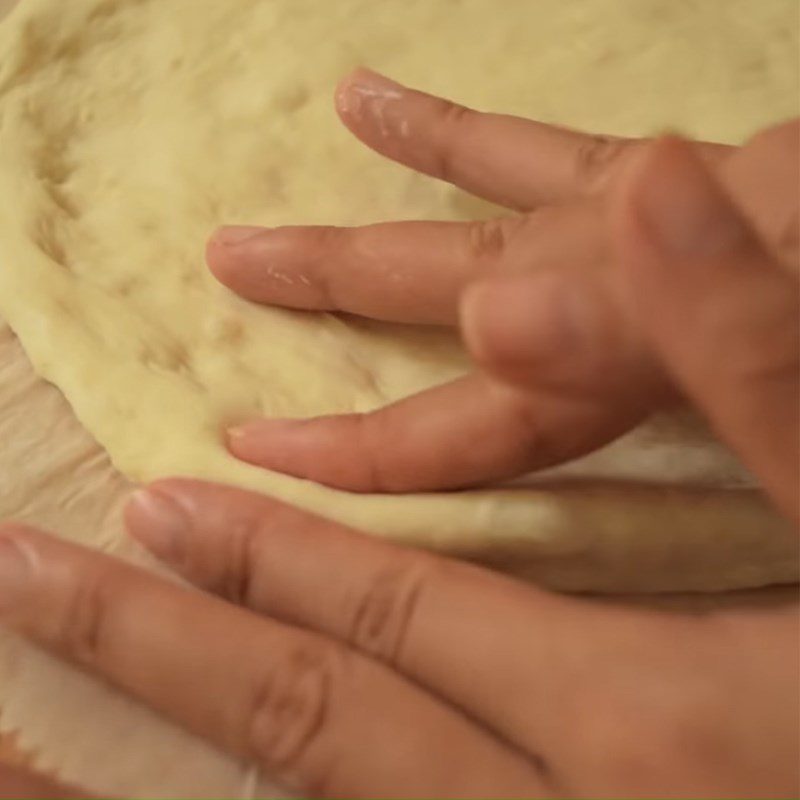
(130, 128)
(56, 477)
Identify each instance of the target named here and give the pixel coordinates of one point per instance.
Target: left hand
(345, 666)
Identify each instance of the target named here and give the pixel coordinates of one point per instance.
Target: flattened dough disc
(61, 276)
(131, 128)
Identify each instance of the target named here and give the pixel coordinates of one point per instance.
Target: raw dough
(54, 476)
(131, 128)
(72, 81)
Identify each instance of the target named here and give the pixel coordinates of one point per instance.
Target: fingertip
(159, 521)
(183, 491)
(228, 247)
(361, 84)
(20, 563)
(239, 438)
(11, 529)
(342, 93)
(264, 442)
(303, 448)
(218, 261)
(232, 236)
(371, 106)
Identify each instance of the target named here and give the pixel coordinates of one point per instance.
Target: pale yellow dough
(130, 128)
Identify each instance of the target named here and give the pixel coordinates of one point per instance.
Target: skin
(348, 666)
(540, 394)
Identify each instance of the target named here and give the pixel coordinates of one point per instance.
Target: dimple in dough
(131, 128)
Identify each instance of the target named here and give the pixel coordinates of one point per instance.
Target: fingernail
(270, 439)
(262, 428)
(684, 211)
(234, 235)
(159, 523)
(17, 567)
(367, 94)
(367, 78)
(528, 319)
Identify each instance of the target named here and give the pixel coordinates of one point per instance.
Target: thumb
(719, 312)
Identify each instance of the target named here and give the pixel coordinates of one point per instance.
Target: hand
(542, 394)
(348, 667)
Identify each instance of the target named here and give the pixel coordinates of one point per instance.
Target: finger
(297, 704)
(723, 316)
(468, 432)
(520, 660)
(562, 331)
(17, 784)
(762, 179)
(405, 272)
(517, 163)
(434, 620)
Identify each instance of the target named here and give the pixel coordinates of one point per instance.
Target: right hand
(544, 393)
(343, 665)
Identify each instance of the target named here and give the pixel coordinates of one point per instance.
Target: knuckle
(371, 439)
(453, 114)
(597, 160)
(84, 621)
(380, 614)
(236, 570)
(452, 120)
(487, 240)
(288, 709)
